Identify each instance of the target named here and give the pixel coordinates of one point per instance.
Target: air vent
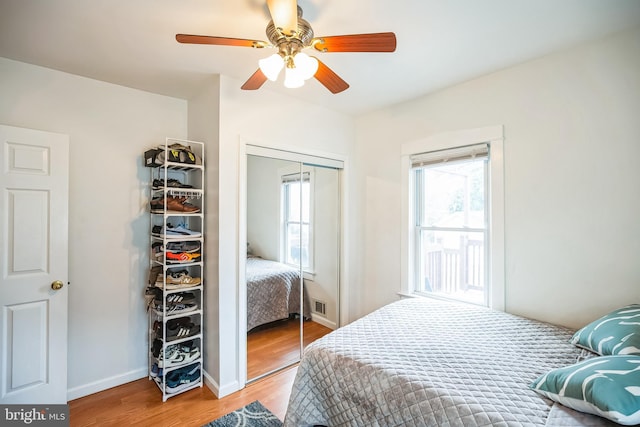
(320, 307)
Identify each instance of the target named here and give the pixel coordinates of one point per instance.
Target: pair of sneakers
(178, 303)
(183, 378)
(171, 231)
(179, 328)
(177, 279)
(176, 252)
(178, 354)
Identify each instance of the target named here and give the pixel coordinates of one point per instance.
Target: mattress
(425, 362)
(273, 292)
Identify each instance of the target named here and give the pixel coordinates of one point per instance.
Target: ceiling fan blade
(373, 42)
(284, 14)
(220, 41)
(255, 81)
(329, 79)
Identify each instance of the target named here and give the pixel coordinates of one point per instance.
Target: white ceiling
(440, 42)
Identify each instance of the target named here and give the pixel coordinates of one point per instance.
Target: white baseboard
(211, 383)
(323, 321)
(116, 380)
(106, 383)
(227, 389)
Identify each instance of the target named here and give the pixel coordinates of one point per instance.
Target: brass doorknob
(57, 285)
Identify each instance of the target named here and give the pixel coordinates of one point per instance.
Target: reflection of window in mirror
(296, 226)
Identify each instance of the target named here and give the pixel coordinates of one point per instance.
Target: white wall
(109, 128)
(572, 144)
(204, 126)
(260, 117)
(263, 205)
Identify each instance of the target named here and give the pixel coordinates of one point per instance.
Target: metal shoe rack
(169, 328)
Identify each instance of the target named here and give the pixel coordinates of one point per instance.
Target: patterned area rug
(252, 415)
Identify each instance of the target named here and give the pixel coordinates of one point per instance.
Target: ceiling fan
(291, 34)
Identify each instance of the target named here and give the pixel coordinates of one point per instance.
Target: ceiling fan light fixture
(293, 78)
(271, 66)
(306, 65)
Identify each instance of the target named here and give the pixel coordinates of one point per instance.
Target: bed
(425, 362)
(273, 292)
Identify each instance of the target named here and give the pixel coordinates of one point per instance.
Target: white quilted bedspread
(423, 362)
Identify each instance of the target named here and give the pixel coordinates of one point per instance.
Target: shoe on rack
(181, 278)
(181, 329)
(183, 378)
(178, 297)
(182, 258)
(186, 154)
(182, 297)
(173, 309)
(181, 230)
(151, 293)
(172, 205)
(172, 353)
(157, 252)
(154, 273)
(156, 347)
(178, 355)
(178, 280)
(171, 183)
(171, 232)
(156, 371)
(183, 247)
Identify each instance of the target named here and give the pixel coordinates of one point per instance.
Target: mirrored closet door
(293, 252)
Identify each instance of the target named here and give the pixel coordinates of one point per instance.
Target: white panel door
(34, 186)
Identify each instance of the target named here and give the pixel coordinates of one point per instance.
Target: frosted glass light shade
(271, 66)
(293, 78)
(306, 65)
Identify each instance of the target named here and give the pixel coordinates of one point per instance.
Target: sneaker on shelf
(177, 232)
(172, 352)
(181, 328)
(171, 183)
(183, 247)
(181, 230)
(173, 309)
(180, 279)
(182, 258)
(183, 297)
(179, 355)
(183, 378)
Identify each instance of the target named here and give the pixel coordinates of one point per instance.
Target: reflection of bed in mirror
(273, 292)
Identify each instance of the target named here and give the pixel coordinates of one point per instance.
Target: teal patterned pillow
(608, 386)
(616, 333)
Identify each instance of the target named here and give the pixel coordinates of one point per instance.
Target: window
(296, 222)
(450, 223)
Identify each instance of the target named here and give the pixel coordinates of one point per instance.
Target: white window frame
(283, 172)
(492, 135)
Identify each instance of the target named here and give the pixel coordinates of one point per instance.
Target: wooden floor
(139, 403)
(277, 344)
